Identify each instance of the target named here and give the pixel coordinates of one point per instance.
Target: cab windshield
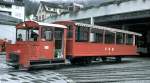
(27, 34)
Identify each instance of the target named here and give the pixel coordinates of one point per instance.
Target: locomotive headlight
(46, 47)
(18, 51)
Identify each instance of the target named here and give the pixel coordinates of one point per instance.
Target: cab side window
(69, 31)
(47, 33)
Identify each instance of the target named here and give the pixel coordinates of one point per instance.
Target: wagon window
(82, 34)
(96, 35)
(69, 31)
(47, 33)
(109, 37)
(129, 39)
(120, 38)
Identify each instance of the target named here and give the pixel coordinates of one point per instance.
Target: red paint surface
(95, 49)
(79, 49)
(33, 50)
(29, 51)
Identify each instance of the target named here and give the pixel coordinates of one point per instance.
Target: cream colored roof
(109, 29)
(52, 25)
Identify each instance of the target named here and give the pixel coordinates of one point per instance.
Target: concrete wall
(124, 7)
(8, 31)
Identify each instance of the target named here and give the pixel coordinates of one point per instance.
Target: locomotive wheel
(16, 67)
(89, 60)
(118, 59)
(104, 59)
(73, 61)
(81, 61)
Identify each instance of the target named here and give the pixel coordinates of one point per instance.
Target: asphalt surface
(11, 75)
(130, 70)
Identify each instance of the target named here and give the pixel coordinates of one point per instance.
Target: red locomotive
(50, 44)
(37, 44)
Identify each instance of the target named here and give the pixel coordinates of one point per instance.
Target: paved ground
(131, 70)
(10, 75)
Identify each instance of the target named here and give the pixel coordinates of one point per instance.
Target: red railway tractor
(87, 42)
(3, 43)
(37, 44)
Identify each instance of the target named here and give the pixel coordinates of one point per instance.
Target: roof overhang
(9, 20)
(35, 25)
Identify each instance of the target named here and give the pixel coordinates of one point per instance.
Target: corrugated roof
(18, 3)
(53, 5)
(8, 20)
(5, 3)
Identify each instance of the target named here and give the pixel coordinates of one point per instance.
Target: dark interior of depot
(140, 25)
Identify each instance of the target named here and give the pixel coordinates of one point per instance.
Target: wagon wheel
(118, 59)
(88, 60)
(104, 59)
(85, 61)
(73, 61)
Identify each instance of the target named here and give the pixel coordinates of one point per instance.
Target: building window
(54, 10)
(82, 34)
(48, 8)
(43, 17)
(18, 15)
(39, 18)
(17, 7)
(6, 6)
(9, 0)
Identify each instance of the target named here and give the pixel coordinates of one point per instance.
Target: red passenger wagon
(37, 44)
(86, 42)
(41, 44)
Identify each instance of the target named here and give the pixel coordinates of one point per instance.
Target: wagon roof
(34, 24)
(52, 25)
(108, 29)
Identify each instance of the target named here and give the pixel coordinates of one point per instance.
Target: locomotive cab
(37, 44)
